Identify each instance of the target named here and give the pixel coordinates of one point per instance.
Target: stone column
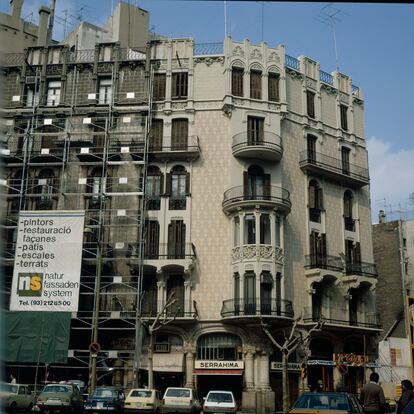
(161, 290)
(189, 367)
(187, 297)
(249, 369)
(264, 371)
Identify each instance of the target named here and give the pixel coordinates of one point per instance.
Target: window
(152, 236)
(178, 187)
(96, 186)
(265, 229)
(179, 85)
(237, 81)
(249, 229)
(256, 184)
(32, 95)
(45, 183)
(277, 230)
(310, 103)
(311, 148)
(49, 140)
(273, 87)
(344, 117)
(315, 201)
(236, 240)
(153, 188)
(156, 135)
(345, 160)
(266, 282)
(176, 239)
(53, 93)
(159, 87)
(249, 293)
(318, 249)
(255, 130)
(349, 222)
(105, 91)
(255, 84)
(179, 134)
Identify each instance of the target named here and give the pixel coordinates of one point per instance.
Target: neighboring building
(256, 207)
(393, 244)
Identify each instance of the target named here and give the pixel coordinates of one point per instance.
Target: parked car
(143, 401)
(180, 400)
(60, 398)
(15, 397)
(314, 402)
(105, 399)
(219, 402)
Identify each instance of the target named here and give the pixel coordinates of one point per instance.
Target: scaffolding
(84, 145)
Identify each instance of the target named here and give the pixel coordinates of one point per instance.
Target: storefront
(321, 364)
(277, 385)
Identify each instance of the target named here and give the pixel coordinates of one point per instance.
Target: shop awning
(218, 372)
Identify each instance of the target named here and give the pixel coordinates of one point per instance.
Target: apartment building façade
(244, 173)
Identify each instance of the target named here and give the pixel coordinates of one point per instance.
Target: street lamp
(95, 320)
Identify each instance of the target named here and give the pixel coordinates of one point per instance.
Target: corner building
(255, 207)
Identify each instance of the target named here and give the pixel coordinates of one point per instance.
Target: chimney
(381, 217)
(44, 13)
(16, 9)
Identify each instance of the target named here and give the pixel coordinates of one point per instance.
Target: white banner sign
(47, 261)
(219, 364)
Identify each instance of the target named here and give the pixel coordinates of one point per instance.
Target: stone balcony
(269, 147)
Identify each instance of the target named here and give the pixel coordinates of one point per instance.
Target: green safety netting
(36, 336)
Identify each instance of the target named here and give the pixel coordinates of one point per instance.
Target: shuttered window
(310, 103)
(273, 87)
(176, 239)
(179, 134)
(156, 135)
(255, 130)
(345, 160)
(237, 81)
(179, 85)
(255, 84)
(159, 87)
(344, 117)
(311, 148)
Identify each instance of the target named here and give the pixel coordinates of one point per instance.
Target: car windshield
(322, 402)
(141, 393)
(219, 397)
(57, 388)
(8, 388)
(178, 392)
(105, 393)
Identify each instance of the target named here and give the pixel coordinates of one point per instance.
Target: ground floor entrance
(277, 387)
(233, 383)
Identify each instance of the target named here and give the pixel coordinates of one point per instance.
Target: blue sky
(375, 47)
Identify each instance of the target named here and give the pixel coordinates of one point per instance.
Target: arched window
(273, 86)
(178, 187)
(153, 188)
(264, 229)
(315, 201)
(175, 286)
(256, 184)
(349, 222)
(237, 81)
(249, 229)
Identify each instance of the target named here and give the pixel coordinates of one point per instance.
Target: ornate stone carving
(104, 67)
(54, 70)
(279, 256)
(238, 51)
(273, 57)
(343, 97)
(236, 254)
(209, 60)
(178, 105)
(265, 252)
(311, 83)
(255, 54)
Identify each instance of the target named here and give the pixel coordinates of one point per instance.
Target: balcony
(349, 224)
(273, 197)
(250, 310)
(269, 147)
(168, 148)
(184, 309)
(336, 317)
(333, 168)
(313, 261)
(261, 252)
(361, 269)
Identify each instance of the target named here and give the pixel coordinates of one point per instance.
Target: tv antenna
(331, 15)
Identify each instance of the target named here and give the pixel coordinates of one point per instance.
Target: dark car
(333, 402)
(60, 398)
(105, 399)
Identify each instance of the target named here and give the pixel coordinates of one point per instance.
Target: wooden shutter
(344, 117)
(255, 84)
(273, 87)
(237, 81)
(310, 103)
(312, 247)
(179, 134)
(267, 190)
(312, 195)
(245, 183)
(357, 252)
(156, 136)
(179, 85)
(323, 244)
(168, 184)
(187, 184)
(347, 205)
(319, 198)
(159, 86)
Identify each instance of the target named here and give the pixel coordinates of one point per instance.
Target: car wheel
(29, 408)
(13, 407)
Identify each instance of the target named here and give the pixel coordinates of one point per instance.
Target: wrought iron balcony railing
(316, 161)
(341, 316)
(361, 269)
(315, 261)
(270, 195)
(268, 146)
(159, 251)
(257, 307)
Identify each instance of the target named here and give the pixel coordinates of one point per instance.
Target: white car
(16, 397)
(180, 400)
(219, 402)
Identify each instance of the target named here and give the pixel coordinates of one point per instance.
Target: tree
(163, 318)
(289, 345)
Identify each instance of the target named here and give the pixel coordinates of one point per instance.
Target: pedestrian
(406, 396)
(12, 379)
(372, 396)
